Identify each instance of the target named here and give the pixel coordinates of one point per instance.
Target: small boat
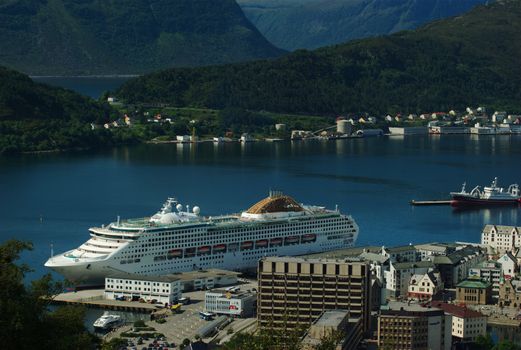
(219, 248)
(491, 195)
(204, 250)
(175, 253)
(107, 321)
(275, 242)
(189, 252)
(309, 238)
(246, 245)
(262, 243)
(291, 240)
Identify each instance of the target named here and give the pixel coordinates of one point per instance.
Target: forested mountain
(37, 117)
(467, 60)
(296, 24)
(85, 37)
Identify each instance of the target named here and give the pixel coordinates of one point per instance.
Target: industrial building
(296, 291)
(230, 301)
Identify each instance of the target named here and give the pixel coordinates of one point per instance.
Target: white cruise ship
(176, 240)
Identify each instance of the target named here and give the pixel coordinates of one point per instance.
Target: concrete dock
(94, 298)
(430, 202)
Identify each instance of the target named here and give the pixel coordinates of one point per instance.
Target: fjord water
(55, 198)
(88, 86)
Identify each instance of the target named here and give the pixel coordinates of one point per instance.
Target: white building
(413, 130)
(501, 238)
(230, 301)
(406, 253)
(162, 289)
(398, 277)
(467, 324)
(183, 138)
(423, 287)
(207, 279)
(508, 265)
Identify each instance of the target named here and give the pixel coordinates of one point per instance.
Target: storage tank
(343, 126)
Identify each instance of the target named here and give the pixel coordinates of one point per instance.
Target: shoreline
(95, 76)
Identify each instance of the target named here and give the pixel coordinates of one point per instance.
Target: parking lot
(186, 323)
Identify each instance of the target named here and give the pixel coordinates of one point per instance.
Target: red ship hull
(460, 201)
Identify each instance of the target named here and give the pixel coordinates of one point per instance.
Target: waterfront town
(199, 124)
(416, 296)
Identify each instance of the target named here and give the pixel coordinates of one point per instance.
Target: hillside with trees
(88, 37)
(472, 59)
(36, 117)
(309, 24)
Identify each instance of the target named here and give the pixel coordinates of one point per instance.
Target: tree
(25, 320)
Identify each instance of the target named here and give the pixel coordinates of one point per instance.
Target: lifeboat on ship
(262, 243)
(291, 240)
(204, 250)
(275, 242)
(309, 238)
(247, 245)
(219, 248)
(175, 253)
(189, 252)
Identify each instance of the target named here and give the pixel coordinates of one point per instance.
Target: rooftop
(331, 318)
(412, 265)
(458, 311)
(408, 309)
(182, 276)
(501, 229)
(399, 249)
(302, 259)
(473, 283)
(344, 253)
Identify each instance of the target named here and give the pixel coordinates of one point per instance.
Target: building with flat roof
(474, 292)
(330, 322)
(488, 271)
(296, 291)
(230, 301)
(467, 324)
(161, 289)
(410, 326)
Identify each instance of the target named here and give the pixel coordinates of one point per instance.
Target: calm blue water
(373, 179)
(89, 86)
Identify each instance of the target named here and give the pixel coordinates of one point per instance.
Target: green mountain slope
(452, 63)
(82, 37)
(294, 24)
(37, 117)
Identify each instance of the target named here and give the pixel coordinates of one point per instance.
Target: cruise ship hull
(93, 274)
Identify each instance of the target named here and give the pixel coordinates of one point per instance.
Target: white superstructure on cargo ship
(176, 240)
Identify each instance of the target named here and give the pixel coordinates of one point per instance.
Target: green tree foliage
(472, 59)
(71, 37)
(25, 321)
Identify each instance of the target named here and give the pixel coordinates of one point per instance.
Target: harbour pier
(430, 202)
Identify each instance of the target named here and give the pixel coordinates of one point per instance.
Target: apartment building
(403, 326)
(296, 291)
(424, 286)
(455, 267)
(399, 275)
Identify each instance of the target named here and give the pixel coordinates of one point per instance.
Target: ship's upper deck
(273, 209)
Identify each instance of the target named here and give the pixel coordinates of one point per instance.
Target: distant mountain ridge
(471, 59)
(89, 37)
(295, 24)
